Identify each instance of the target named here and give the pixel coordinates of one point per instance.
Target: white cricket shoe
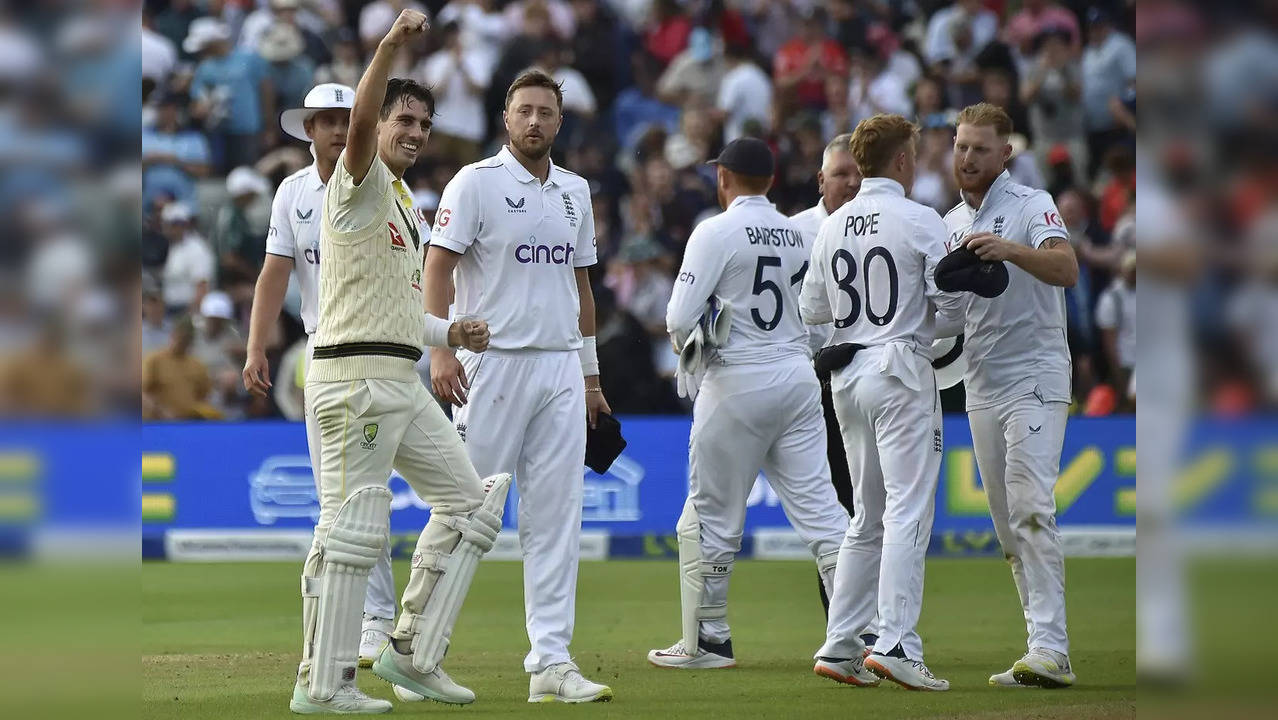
(407, 695)
(374, 637)
(563, 682)
(1007, 678)
(848, 672)
(1043, 668)
(397, 669)
(708, 656)
(909, 674)
(348, 700)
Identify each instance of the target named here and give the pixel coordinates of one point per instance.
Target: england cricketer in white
(293, 246)
(872, 276)
(759, 404)
(517, 235)
(373, 413)
(1018, 378)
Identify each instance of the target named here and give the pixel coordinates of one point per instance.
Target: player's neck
(398, 172)
(325, 169)
(539, 168)
(975, 197)
(825, 203)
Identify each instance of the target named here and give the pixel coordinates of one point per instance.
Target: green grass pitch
(221, 641)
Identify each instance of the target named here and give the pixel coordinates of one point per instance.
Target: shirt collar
(314, 177)
(820, 210)
(748, 200)
(881, 186)
(520, 172)
(1002, 179)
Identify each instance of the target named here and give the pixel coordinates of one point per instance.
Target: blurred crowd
(652, 89)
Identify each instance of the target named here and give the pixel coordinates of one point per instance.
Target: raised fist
(408, 25)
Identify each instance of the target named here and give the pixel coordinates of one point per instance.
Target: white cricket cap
(204, 31)
(246, 181)
(217, 304)
(953, 363)
(175, 212)
(321, 97)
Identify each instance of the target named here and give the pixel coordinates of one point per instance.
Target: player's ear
(820, 181)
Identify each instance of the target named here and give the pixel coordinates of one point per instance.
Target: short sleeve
(1042, 220)
(352, 207)
(460, 214)
(587, 249)
(279, 235)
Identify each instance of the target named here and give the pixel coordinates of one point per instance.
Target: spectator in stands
(172, 156)
(155, 323)
(837, 118)
(1109, 72)
(1116, 318)
(175, 21)
(1119, 191)
(578, 99)
(666, 34)
(377, 17)
(1052, 90)
(801, 65)
(598, 49)
(232, 95)
(627, 350)
(175, 385)
(240, 246)
(1037, 17)
(220, 348)
(534, 32)
(874, 88)
(159, 54)
(284, 12)
(44, 380)
(956, 34)
(692, 144)
(745, 93)
(694, 75)
(347, 65)
(291, 72)
(934, 169)
(189, 266)
(637, 108)
(457, 78)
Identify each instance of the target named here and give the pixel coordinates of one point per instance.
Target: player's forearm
(438, 291)
(268, 299)
(361, 139)
(1053, 262)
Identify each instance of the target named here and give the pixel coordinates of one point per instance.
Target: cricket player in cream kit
(1018, 378)
(293, 246)
(872, 276)
(516, 235)
(758, 406)
(373, 413)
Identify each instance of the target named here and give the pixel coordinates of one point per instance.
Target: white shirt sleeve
(814, 301)
(352, 207)
(458, 221)
(930, 238)
(1042, 220)
(279, 236)
(703, 264)
(586, 252)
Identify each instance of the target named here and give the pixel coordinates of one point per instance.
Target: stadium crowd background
(653, 89)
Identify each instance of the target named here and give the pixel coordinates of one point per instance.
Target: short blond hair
(987, 115)
(876, 141)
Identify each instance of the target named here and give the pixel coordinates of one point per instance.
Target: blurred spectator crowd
(652, 89)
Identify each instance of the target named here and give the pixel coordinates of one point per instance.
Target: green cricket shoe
(397, 669)
(1043, 668)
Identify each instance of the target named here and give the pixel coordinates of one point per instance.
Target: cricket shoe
(1043, 668)
(848, 672)
(563, 682)
(374, 637)
(707, 657)
(1007, 678)
(909, 674)
(348, 700)
(397, 669)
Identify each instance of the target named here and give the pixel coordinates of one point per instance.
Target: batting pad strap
(716, 569)
(312, 586)
(435, 561)
(353, 548)
(828, 561)
(712, 612)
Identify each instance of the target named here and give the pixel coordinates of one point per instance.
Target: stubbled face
(532, 121)
(402, 134)
(327, 129)
(979, 156)
(839, 180)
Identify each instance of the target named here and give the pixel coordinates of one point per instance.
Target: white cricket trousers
(368, 427)
(526, 415)
(1018, 452)
(748, 418)
(380, 600)
(892, 435)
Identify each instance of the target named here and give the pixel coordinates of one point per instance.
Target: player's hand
(448, 377)
(409, 25)
(470, 334)
(990, 247)
(257, 373)
(595, 402)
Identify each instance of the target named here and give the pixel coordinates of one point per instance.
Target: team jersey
(521, 242)
(754, 258)
(872, 270)
(295, 233)
(809, 222)
(1015, 343)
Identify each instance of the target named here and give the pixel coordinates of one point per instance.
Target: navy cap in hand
(747, 156)
(963, 270)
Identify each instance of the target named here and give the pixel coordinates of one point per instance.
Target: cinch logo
(312, 254)
(547, 254)
(516, 207)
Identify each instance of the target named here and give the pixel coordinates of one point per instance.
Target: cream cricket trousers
(380, 600)
(1018, 452)
(748, 418)
(368, 427)
(892, 435)
(526, 415)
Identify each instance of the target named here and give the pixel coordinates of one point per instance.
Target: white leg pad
(354, 542)
(688, 532)
(432, 629)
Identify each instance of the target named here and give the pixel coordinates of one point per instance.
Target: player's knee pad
(347, 554)
(431, 628)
